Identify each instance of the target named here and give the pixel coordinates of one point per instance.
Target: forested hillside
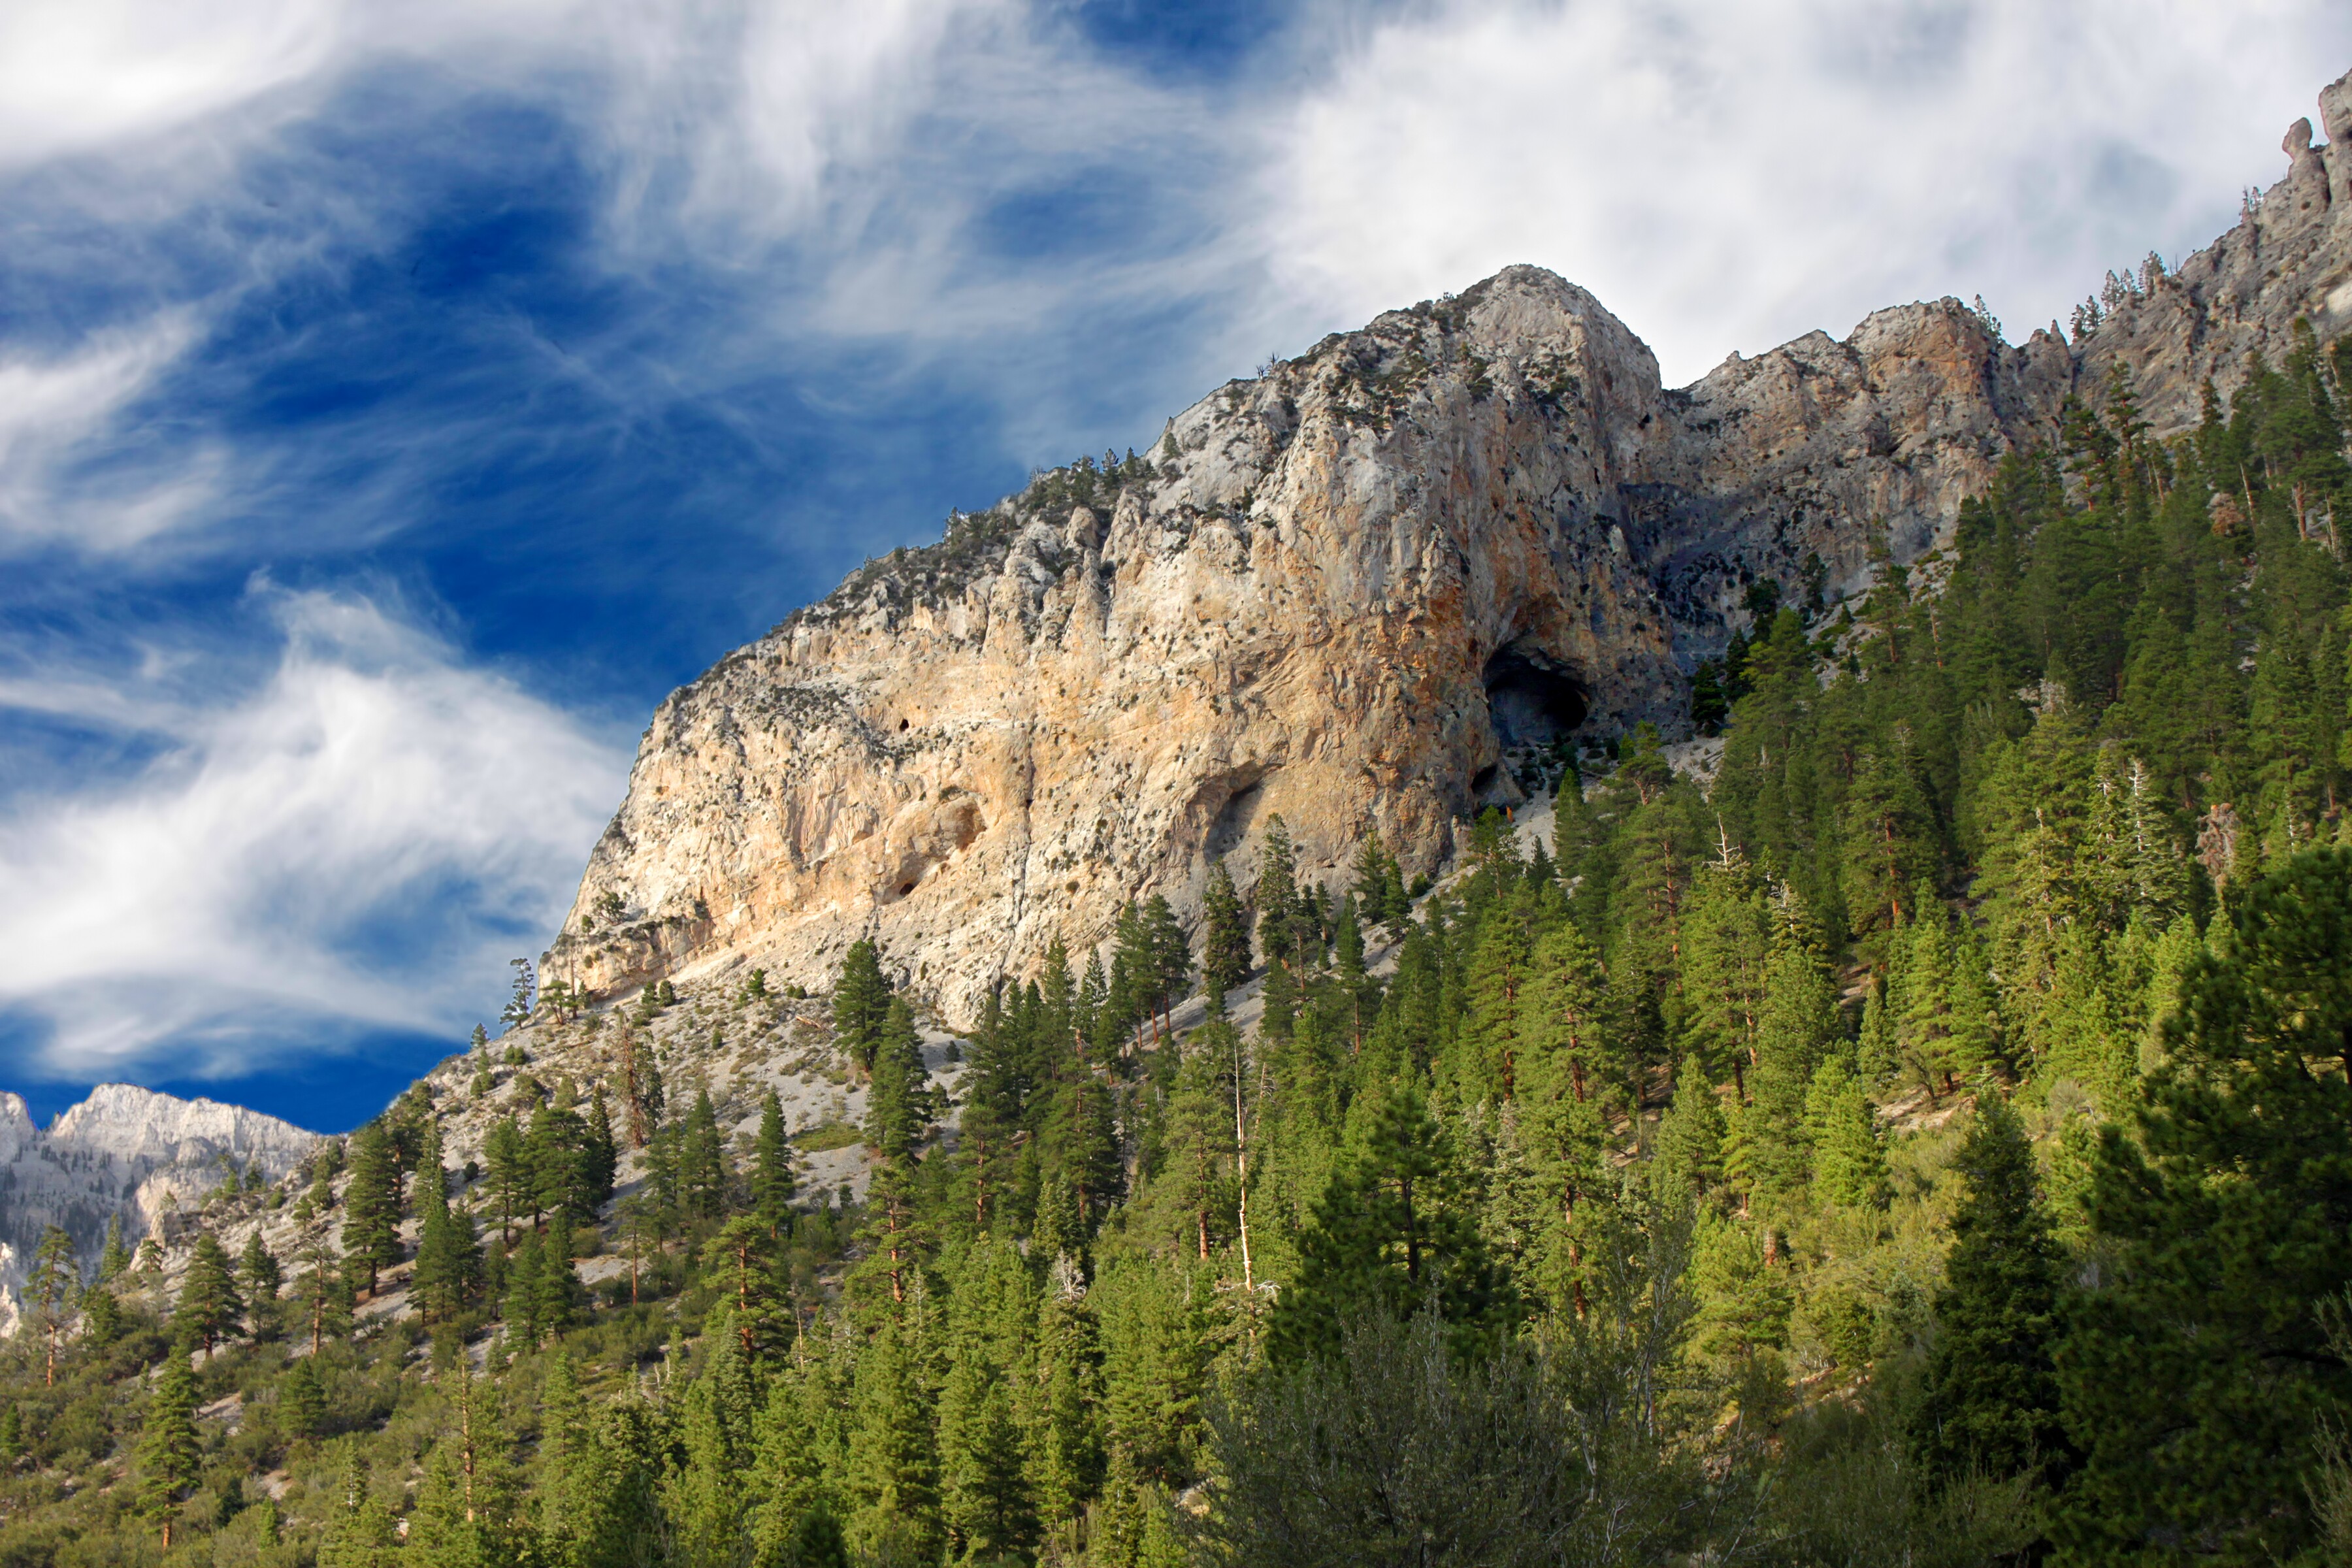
(1927, 1139)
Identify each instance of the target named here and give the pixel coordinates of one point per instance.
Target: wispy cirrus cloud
(55, 408)
(351, 845)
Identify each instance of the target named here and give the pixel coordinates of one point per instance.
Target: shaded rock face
(125, 1155)
(1353, 593)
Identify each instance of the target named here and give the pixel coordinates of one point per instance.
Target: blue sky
(396, 402)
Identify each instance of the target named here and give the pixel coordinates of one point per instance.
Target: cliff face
(1367, 592)
(2290, 257)
(123, 1154)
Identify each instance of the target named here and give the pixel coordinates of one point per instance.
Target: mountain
(125, 1153)
(1780, 1099)
(1387, 582)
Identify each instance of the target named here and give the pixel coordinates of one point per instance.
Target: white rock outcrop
(127, 1155)
(1356, 592)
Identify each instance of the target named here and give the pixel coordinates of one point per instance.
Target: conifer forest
(1922, 1137)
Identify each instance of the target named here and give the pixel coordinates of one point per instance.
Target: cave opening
(1531, 697)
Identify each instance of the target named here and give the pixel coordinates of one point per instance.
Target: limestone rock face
(1359, 593)
(127, 1155)
(2290, 257)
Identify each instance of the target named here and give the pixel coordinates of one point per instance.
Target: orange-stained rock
(1348, 587)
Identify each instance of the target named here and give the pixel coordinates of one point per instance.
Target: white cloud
(234, 900)
(50, 407)
(1729, 173)
(75, 75)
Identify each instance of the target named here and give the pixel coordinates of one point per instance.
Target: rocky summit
(126, 1154)
(1383, 583)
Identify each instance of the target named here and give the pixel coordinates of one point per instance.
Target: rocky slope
(1367, 592)
(715, 1039)
(148, 1160)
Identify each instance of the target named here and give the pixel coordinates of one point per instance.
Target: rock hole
(1531, 697)
(902, 724)
(1233, 821)
(906, 887)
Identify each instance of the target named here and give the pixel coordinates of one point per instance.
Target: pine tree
(1276, 895)
(1765, 1153)
(323, 1294)
(861, 1002)
(599, 1479)
(1497, 984)
(169, 1450)
(705, 1501)
(1923, 1029)
(560, 1299)
(1744, 1296)
(1394, 1231)
(448, 1270)
(526, 1291)
(113, 1260)
(1565, 1033)
(511, 1187)
(1226, 944)
(771, 1170)
(101, 1317)
(741, 1262)
(373, 1206)
(1278, 1003)
(1067, 1430)
(986, 1500)
(324, 1167)
(1842, 1126)
(555, 1151)
(2197, 1374)
(702, 1161)
(1199, 1131)
(1370, 886)
(209, 1306)
(1129, 999)
(893, 1475)
(1358, 993)
(50, 1289)
(1726, 937)
(360, 1531)
(900, 1107)
(1889, 831)
(600, 1153)
(1687, 1165)
(1083, 1139)
(1990, 1402)
(518, 1007)
(1170, 953)
(259, 1275)
(301, 1401)
(1878, 1055)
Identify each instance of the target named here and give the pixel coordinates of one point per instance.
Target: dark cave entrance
(1531, 697)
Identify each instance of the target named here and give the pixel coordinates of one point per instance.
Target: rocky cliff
(1377, 586)
(123, 1154)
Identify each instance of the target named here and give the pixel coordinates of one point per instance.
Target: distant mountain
(125, 1153)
